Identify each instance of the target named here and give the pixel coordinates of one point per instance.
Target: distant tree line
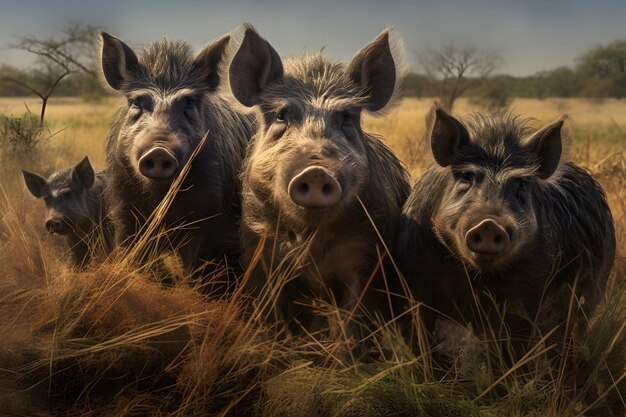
(79, 84)
(447, 72)
(599, 73)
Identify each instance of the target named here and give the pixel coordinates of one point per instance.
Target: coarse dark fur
(309, 114)
(74, 198)
(560, 224)
(173, 101)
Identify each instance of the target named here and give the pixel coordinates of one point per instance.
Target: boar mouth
(488, 263)
(485, 259)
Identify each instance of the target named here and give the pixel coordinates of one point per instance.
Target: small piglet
(75, 208)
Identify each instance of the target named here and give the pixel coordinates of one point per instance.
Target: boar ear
(83, 174)
(118, 61)
(547, 145)
(447, 135)
(377, 69)
(209, 59)
(35, 184)
(255, 65)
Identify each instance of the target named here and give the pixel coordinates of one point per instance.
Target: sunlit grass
(111, 341)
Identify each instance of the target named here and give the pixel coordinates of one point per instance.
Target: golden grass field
(110, 342)
(80, 129)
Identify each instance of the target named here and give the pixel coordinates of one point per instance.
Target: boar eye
(520, 184)
(468, 176)
(280, 117)
(136, 103)
(190, 107)
(521, 190)
(190, 103)
(346, 117)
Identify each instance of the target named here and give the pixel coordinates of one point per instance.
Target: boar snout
(158, 163)
(487, 238)
(315, 187)
(56, 225)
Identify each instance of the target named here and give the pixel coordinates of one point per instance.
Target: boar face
(65, 196)
(167, 112)
(488, 215)
(312, 159)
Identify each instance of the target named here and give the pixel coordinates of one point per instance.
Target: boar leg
(347, 304)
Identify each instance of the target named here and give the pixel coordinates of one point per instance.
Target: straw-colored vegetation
(112, 342)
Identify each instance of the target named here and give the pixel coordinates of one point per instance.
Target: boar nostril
(303, 188)
(476, 238)
(326, 189)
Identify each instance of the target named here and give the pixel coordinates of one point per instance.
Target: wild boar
(503, 213)
(312, 175)
(75, 208)
(172, 103)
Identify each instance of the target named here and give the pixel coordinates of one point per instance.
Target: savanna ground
(110, 341)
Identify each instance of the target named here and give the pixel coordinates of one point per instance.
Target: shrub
(20, 135)
(493, 96)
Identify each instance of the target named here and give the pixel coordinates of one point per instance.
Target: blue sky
(530, 35)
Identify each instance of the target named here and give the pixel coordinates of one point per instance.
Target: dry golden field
(111, 342)
(80, 129)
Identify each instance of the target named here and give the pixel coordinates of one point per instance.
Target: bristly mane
(498, 132)
(499, 141)
(167, 65)
(317, 79)
(59, 178)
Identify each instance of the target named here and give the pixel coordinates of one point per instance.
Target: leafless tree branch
(73, 51)
(456, 68)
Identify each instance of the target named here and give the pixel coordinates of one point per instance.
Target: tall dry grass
(110, 341)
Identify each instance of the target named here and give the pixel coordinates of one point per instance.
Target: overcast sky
(530, 35)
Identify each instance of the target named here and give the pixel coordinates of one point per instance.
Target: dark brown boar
(75, 208)
(172, 102)
(502, 213)
(308, 166)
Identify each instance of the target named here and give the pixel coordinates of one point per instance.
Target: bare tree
(72, 52)
(454, 69)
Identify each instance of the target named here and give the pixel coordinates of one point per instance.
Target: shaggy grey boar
(308, 166)
(501, 212)
(172, 102)
(75, 208)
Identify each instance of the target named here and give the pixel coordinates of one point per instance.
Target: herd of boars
(288, 187)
